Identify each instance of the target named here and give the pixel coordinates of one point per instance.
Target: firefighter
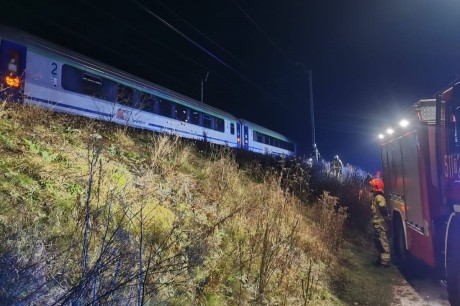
(380, 216)
(336, 167)
(316, 156)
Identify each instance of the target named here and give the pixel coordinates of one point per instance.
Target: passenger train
(37, 72)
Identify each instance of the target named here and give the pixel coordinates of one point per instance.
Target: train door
(245, 137)
(238, 135)
(12, 70)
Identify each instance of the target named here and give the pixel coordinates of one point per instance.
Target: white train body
(52, 77)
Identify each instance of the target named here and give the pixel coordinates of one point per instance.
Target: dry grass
(164, 223)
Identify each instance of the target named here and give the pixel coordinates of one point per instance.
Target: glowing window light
(390, 131)
(404, 123)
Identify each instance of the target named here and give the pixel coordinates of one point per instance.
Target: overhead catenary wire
(143, 34)
(209, 53)
(199, 32)
(291, 62)
(264, 34)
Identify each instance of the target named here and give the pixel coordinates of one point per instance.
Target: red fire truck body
(421, 172)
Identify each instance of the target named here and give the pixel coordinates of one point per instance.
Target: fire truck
(421, 172)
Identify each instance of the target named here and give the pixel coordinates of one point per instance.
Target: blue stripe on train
(188, 133)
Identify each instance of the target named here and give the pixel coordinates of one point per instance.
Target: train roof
(43, 45)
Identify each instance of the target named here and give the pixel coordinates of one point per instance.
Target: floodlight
(404, 123)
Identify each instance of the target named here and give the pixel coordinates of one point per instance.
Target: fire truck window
(456, 123)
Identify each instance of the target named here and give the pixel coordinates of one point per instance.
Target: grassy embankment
(97, 213)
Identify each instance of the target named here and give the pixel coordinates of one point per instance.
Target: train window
(109, 90)
(164, 108)
(146, 102)
(219, 124)
(276, 143)
(259, 137)
(207, 121)
(76, 80)
(125, 95)
(195, 117)
(92, 85)
(232, 128)
(180, 113)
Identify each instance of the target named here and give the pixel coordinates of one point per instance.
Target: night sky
(371, 59)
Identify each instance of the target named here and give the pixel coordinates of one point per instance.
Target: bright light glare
(404, 123)
(381, 136)
(390, 131)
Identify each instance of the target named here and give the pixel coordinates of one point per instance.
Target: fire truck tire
(399, 242)
(453, 285)
(453, 267)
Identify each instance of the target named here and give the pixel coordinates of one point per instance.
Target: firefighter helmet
(336, 157)
(377, 185)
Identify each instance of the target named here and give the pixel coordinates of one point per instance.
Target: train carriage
(264, 141)
(44, 74)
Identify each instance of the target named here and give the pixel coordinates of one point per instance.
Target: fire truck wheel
(453, 267)
(453, 285)
(399, 242)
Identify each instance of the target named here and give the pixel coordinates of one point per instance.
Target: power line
(170, 26)
(264, 34)
(165, 46)
(198, 31)
(146, 36)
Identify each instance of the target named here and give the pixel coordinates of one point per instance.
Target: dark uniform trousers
(380, 229)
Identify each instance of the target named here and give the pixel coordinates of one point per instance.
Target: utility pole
(309, 73)
(202, 84)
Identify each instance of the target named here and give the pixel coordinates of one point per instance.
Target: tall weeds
(137, 218)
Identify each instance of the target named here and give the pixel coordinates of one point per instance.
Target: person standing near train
(336, 167)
